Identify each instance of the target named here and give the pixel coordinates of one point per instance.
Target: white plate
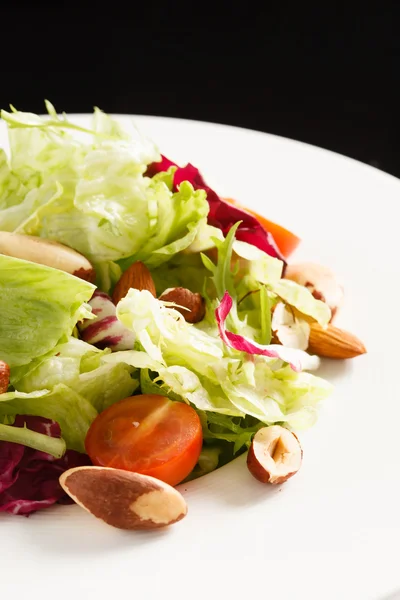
(332, 531)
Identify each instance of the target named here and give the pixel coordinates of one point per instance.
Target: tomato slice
(147, 434)
(286, 241)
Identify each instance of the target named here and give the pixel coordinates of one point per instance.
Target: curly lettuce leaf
(176, 219)
(12, 191)
(276, 395)
(195, 366)
(88, 190)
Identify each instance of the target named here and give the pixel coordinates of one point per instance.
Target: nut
(190, 304)
(333, 342)
(46, 252)
(321, 282)
(136, 276)
(4, 377)
(124, 499)
(275, 455)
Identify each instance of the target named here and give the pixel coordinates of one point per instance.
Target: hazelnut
(275, 455)
(321, 282)
(191, 305)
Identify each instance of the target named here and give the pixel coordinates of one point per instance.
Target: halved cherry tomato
(286, 241)
(147, 434)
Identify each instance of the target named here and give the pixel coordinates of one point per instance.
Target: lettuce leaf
(71, 386)
(62, 404)
(86, 189)
(302, 299)
(222, 214)
(12, 191)
(39, 306)
(195, 366)
(32, 439)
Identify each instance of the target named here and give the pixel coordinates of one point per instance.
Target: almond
(333, 342)
(46, 252)
(4, 377)
(275, 455)
(136, 276)
(124, 499)
(190, 304)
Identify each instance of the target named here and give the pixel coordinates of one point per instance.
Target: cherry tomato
(147, 434)
(286, 241)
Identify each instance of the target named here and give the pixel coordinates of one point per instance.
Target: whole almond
(4, 377)
(333, 342)
(194, 306)
(136, 276)
(124, 499)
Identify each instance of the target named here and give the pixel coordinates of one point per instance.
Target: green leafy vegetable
(301, 298)
(39, 306)
(69, 409)
(86, 189)
(195, 365)
(39, 441)
(71, 385)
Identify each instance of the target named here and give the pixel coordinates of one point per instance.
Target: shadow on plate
(67, 531)
(333, 369)
(232, 484)
(393, 596)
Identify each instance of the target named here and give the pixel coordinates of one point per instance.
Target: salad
(151, 330)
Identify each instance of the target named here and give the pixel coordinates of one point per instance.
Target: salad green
(89, 189)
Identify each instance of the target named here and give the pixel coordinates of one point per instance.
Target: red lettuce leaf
(239, 342)
(29, 478)
(222, 214)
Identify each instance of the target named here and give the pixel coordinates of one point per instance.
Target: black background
(327, 76)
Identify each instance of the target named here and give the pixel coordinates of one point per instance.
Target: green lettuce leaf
(71, 410)
(183, 270)
(301, 298)
(12, 191)
(176, 220)
(195, 366)
(73, 380)
(86, 189)
(39, 441)
(39, 307)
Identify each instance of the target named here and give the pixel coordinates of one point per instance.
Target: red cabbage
(29, 478)
(222, 214)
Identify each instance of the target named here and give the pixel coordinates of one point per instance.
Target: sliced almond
(275, 455)
(190, 304)
(46, 252)
(4, 377)
(333, 342)
(136, 276)
(123, 499)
